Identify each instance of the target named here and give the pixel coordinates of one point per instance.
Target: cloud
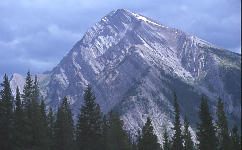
(36, 34)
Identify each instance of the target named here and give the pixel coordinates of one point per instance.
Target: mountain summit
(134, 65)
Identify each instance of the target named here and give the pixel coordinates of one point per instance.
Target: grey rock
(134, 65)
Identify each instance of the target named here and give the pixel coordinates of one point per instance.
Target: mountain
(134, 65)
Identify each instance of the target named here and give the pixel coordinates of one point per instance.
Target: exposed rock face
(134, 65)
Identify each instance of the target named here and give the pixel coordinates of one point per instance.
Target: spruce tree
(64, 128)
(36, 119)
(134, 145)
(35, 88)
(177, 137)
(105, 128)
(89, 124)
(139, 140)
(236, 139)
(35, 124)
(44, 138)
(6, 115)
(166, 141)
(18, 102)
(117, 137)
(206, 130)
(43, 112)
(19, 122)
(131, 143)
(27, 93)
(27, 113)
(222, 127)
(148, 139)
(50, 120)
(188, 143)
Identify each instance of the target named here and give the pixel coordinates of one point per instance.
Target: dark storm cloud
(36, 34)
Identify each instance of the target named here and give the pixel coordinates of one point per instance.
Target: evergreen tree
(166, 142)
(35, 126)
(18, 102)
(105, 128)
(64, 128)
(177, 138)
(222, 127)
(43, 112)
(37, 122)
(206, 130)
(148, 139)
(19, 123)
(188, 143)
(27, 108)
(131, 143)
(139, 140)
(117, 137)
(27, 93)
(236, 139)
(134, 146)
(50, 120)
(35, 88)
(44, 137)
(6, 115)
(89, 125)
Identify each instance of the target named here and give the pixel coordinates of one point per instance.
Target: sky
(36, 34)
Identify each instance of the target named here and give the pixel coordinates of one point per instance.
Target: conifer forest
(27, 124)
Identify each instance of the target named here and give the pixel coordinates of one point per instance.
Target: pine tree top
(18, 100)
(177, 138)
(6, 92)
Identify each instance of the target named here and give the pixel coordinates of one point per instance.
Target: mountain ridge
(134, 65)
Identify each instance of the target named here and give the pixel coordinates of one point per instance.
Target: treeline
(25, 124)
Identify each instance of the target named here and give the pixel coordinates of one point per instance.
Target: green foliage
(27, 93)
(222, 127)
(50, 122)
(236, 139)
(166, 141)
(206, 130)
(6, 115)
(188, 143)
(148, 139)
(27, 126)
(19, 123)
(177, 138)
(105, 128)
(18, 102)
(26, 118)
(43, 125)
(139, 140)
(89, 123)
(36, 116)
(35, 89)
(117, 137)
(64, 128)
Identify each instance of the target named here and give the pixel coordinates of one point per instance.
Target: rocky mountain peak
(134, 64)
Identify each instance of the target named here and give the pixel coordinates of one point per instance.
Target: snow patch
(104, 19)
(145, 19)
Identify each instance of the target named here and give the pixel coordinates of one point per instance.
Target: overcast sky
(36, 34)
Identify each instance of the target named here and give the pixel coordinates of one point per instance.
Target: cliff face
(134, 65)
